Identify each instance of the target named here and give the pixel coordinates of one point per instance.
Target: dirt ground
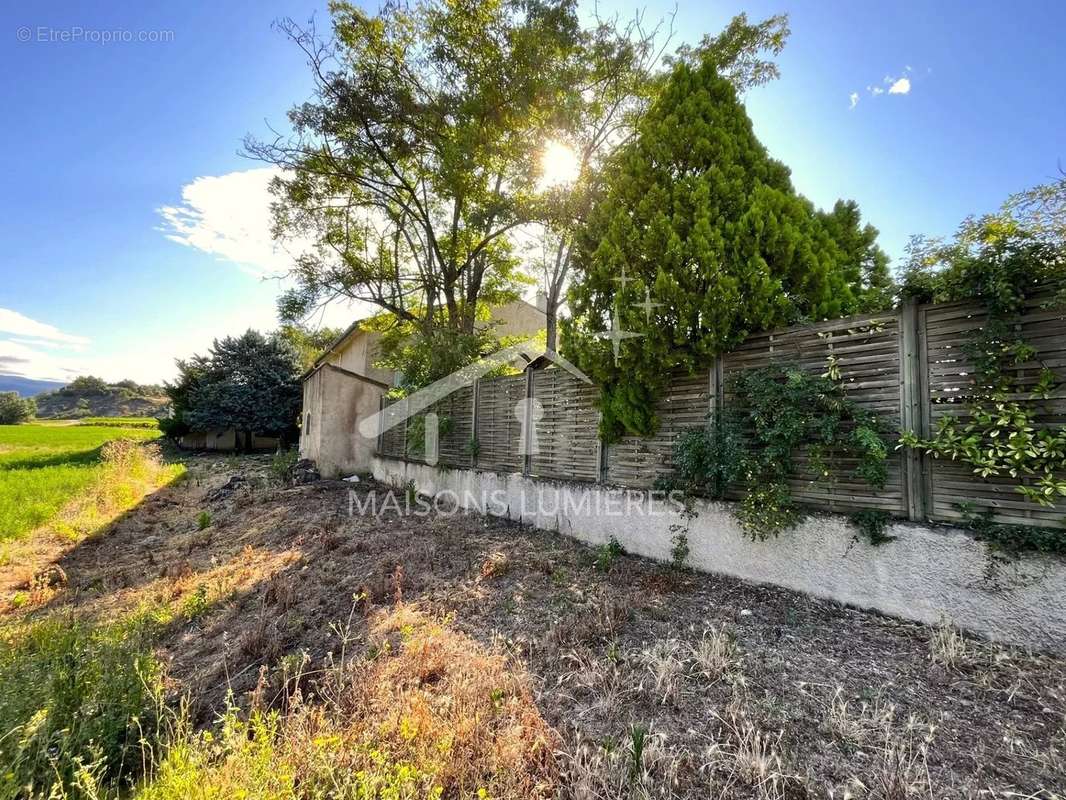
(720, 688)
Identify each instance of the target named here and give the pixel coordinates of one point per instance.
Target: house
(343, 387)
(226, 439)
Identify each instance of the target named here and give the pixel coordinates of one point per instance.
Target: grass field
(120, 422)
(43, 467)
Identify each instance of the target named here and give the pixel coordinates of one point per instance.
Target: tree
(416, 155)
(14, 409)
(614, 79)
(308, 343)
(86, 386)
(704, 223)
(249, 383)
(866, 263)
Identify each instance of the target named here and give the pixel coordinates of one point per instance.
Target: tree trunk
(550, 325)
(551, 316)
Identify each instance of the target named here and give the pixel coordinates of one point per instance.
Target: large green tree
(614, 76)
(249, 383)
(417, 153)
(710, 227)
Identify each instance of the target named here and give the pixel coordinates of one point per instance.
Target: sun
(559, 165)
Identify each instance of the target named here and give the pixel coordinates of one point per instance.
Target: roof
(347, 334)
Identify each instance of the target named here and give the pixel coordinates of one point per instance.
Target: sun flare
(559, 165)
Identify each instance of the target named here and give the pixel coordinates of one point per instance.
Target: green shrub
(203, 520)
(75, 703)
(284, 461)
(14, 409)
(607, 553)
(779, 413)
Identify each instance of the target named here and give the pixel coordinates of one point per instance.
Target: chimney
(541, 301)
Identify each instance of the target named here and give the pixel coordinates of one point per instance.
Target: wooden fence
(909, 366)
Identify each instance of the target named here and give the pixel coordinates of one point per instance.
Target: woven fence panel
(499, 429)
(866, 351)
(950, 382)
(567, 432)
(455, 415)
(639, 461)
(392, 440)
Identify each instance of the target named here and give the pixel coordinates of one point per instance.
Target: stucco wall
(334, 403)
(926, 574)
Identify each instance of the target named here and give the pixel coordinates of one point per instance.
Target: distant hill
(26, 387)
(92, 397)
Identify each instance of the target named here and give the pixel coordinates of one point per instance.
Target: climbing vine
(1001, 261)
(782, 412)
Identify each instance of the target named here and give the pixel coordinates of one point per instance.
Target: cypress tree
(699, 215)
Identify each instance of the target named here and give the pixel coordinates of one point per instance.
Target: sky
(134, 231)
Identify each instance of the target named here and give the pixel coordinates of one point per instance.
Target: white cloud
(12, 322)
(229, 217)
(901, 86)
(19, 359)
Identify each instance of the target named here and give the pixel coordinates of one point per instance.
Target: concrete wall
(926, 574)
(224, 440)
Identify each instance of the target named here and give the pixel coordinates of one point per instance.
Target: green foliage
(418, 152)
(14, 409)
(422, 356)
(679, 549)
(249, 383)
(283, 462)
(999, 261)
(307, 343)
(699, 216)
(780, 412)
(872, 524)
(607, 553)
(43, 468)
(75, 703)
(147, 423)
(203, 520)
(708, 460)
(1008, 540)
(85, 386)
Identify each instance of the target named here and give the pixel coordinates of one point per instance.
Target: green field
(119, 422)
(42, 467)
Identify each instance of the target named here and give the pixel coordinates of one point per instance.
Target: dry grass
(655, 683)
(947, 646)
(747, 760)
(858, 722)
(425, 713)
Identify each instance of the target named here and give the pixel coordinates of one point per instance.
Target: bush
(284, 461)
(75, 702)
(86, 386)
(14, 409)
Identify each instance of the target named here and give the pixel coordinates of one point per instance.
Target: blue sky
(101, 138)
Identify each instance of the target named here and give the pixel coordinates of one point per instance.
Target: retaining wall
(926, 574)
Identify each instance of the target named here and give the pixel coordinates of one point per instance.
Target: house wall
(517, 319)
(334, 403)
(926, 574)
(345, 402)
(311, 417)
(223, 440)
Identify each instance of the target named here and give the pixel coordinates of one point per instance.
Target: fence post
(716, 387)
(527, 458)
(474, 441)
(381, 424)
(913, 401)
(603, 452)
